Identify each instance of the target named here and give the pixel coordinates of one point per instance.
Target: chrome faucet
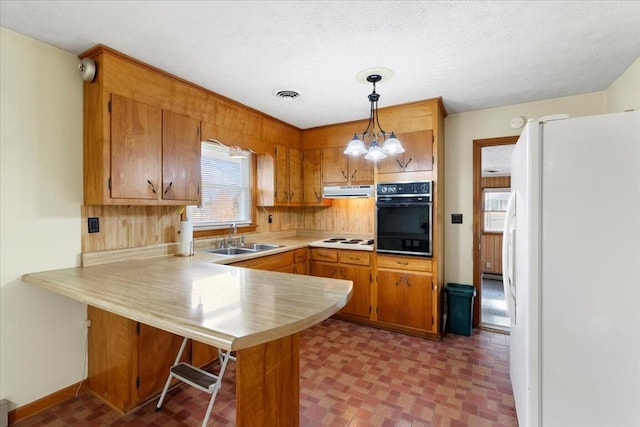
(233, 230)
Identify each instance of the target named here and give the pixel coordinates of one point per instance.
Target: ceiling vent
(286, 94)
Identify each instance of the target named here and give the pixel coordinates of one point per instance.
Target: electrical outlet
(456, 218)
(487, 265)
(93, 224)
(87, 323)
(270, 218)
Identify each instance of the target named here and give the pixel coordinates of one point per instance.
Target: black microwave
(404, 216)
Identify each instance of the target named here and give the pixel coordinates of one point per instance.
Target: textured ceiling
(475, 54)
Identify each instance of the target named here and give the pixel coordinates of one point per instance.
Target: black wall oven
(404, 218)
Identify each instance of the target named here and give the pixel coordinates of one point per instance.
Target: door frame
(478, 144)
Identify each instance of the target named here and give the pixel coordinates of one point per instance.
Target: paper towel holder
(192, 252)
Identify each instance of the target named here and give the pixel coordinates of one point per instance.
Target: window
(495, 207)
(226, 189)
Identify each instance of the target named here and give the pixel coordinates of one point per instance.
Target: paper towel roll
(186, 238)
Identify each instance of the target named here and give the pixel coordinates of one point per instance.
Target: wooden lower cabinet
(347, 265)
(294, 262)
(405, 293)
(128, 361)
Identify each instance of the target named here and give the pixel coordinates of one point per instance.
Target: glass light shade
(375, 153)
(355, 147)
(392, 145)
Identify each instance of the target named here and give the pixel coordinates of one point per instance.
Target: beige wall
(42, 337)
(460, 131)
(624, 93)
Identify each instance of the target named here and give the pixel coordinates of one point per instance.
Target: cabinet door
(360, 301)
(281, 175)
(418, 155)
(295, 176)
(312, 176)
(360, 170)
(334, 166)
(180, 157)
(418, 301)
(321, 269)
(136, 149)
(202, 354)
(300, 268)
(157, 350)
(390, 291)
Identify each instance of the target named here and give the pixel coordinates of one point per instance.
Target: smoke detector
(286, 94)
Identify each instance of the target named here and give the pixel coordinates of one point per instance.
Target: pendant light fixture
(380, 143)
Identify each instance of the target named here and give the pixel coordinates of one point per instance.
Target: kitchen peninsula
(256, 313)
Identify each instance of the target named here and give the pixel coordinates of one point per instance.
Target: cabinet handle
(317, 195)
(402, 262)
(399, 280)
(409, 161)
(344, 175)
(406, 280)
(352, 258)
(152, 187)
(399, 164)
(168, 188)
(290, 196)
(354, 173)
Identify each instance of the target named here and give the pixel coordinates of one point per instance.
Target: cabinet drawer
(354, 257)
(404, 263)
(330, 255)
(300, 255)
(269, 262)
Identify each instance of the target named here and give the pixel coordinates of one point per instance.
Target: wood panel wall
(491, 243)
(491, 254)
(130, 226)
(344, 216)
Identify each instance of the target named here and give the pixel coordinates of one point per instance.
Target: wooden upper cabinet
(295, 176)
(312, 179)
(180, 157)
(149, 156)
(280, 177)
(340, 169)
(136, 149)
(418, 154)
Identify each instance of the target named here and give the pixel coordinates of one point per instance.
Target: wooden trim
(100, 48)
(45, 402)
(477, 206)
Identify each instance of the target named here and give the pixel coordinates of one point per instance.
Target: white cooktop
(344, 243)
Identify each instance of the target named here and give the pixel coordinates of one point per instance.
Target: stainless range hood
(347, 191)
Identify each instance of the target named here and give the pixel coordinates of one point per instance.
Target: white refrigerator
(571, 257)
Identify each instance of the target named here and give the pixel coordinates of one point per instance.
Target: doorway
(491, 184)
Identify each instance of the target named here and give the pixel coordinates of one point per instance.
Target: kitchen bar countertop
(228, 307)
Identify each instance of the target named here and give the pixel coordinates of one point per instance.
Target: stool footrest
(196, 377)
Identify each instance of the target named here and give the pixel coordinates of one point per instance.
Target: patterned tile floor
(350, 375)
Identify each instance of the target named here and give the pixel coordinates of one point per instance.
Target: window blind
(226, 189)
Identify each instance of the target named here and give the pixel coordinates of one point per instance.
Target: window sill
(223, 231)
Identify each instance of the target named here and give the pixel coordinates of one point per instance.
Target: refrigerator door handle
(508, 246)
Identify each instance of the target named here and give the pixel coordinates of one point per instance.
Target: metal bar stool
(202, 380)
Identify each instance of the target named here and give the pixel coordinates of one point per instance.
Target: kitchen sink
(230, 251)
(247, 249)
(261, 246)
